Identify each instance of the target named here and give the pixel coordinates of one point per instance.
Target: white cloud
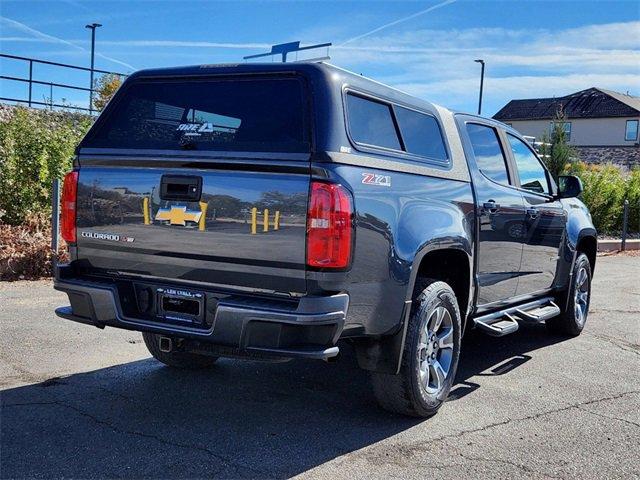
(400, 20)
(185, 44)
(461, 93)
(44, 37)
(521, 63)
(437, 64)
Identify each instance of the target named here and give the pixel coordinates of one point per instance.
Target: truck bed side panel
(392, 225)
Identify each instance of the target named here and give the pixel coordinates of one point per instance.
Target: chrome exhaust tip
(165, 344)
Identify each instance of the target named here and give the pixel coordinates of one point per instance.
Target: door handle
(532, 213)
(490, 206)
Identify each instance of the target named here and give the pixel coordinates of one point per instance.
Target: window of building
(421, 134)
(532, 174)
(566, 127)
(488, 152)
(631, 131)
(371, 123)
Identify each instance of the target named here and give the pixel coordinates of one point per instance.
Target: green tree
(555, 150)
(105, 87)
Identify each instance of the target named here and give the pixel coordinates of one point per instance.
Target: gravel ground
(85, 403)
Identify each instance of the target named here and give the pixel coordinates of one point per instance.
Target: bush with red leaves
(25, 250)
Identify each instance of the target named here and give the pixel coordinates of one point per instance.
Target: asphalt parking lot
(85, 403)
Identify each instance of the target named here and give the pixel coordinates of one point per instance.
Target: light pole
(481, 62)
(92, 27)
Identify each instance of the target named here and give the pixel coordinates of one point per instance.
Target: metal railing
(31, 82)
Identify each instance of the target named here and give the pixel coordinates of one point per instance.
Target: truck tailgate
(246, 228)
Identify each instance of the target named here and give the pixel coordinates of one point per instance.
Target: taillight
(69, 194)
(329, 226)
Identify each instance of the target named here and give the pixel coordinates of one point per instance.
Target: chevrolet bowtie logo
(178, 215)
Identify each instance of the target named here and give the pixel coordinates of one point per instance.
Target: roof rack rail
(284, 49)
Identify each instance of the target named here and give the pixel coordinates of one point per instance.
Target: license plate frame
(177, 304)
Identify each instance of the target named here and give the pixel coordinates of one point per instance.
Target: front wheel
(430, 356)
(572, 320)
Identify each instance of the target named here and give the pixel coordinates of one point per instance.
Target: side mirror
(569, 186)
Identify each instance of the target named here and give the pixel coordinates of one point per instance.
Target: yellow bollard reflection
(265, 220)
(202, 223)
(276, 221)
(145, 211)
(254, 220)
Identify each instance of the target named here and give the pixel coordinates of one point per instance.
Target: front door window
(532, 174)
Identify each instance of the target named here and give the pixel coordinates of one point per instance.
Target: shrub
(633, 195)
(36, 146)
(605, 189)
(25, 250)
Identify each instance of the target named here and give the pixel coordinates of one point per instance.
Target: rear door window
(421, 134)
(254, 115)
(371, 123)
(488, 152)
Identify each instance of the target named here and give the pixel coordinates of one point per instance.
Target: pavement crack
(226, 462)
(614, 310)
(424, 446)
(535, 416)
(617, 342)
(26, 404)
(519, 466)
(610, 417)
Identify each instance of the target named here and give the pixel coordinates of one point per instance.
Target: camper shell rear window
(265, 114)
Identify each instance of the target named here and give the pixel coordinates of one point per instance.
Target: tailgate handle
(181, 188)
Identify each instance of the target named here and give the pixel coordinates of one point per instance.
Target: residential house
(601, 124)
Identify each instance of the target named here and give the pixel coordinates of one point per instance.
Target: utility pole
(481, 62)
(92, 27)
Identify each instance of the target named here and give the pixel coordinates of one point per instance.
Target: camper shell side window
(380, 126)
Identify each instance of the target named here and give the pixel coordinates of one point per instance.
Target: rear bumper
(309, 328)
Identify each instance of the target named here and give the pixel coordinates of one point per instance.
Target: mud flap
(384, 354)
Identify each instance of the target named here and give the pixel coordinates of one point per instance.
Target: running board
(538, 315)
(504, 322)
(499, 326)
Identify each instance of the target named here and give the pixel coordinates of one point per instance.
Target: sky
(426, 48)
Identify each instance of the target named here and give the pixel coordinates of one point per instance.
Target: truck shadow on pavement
(240, 419)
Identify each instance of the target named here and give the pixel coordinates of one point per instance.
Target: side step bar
(504, 322)
(539, 314)
(498, 326)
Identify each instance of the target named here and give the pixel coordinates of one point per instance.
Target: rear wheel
(176, 359)
(572, 320)
(430, 356)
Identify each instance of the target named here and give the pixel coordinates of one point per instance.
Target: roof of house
(589, 103)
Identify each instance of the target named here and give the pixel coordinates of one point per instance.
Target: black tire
(572, 319)
(183, 360)
(406, 393)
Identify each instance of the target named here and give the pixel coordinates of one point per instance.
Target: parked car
(268, 211)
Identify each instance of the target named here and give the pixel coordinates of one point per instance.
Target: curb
(616, 245)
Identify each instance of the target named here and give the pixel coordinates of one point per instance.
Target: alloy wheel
(435, 350)
(581, 296)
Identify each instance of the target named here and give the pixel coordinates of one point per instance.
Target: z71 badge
(375, 179)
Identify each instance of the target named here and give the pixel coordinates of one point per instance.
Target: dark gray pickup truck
(274, 211)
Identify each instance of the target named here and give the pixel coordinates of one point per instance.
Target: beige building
(602, 125)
